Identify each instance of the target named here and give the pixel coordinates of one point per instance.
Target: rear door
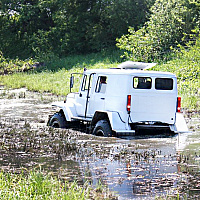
(153, 99)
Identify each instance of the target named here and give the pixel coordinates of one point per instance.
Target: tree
(19, 21)
(169, 22)
(37, 27)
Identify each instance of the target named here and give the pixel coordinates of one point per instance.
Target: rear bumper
(146, 126)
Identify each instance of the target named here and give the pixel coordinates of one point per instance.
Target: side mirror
(71, 82)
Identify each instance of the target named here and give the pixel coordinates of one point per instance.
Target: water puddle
(142, 167)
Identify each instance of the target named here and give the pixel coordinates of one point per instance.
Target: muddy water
(142, 167)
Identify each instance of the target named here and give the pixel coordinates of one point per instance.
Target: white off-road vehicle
(122, 100)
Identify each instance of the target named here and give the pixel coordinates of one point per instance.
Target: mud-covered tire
(58, 121)
(102, 128)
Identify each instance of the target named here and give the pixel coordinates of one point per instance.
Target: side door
(83, 97)
(98, 95)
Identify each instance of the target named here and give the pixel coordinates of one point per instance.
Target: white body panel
(68, 109)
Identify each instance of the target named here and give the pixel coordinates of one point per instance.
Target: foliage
(8, 66)
(137, 44)
(37, 186)
(59, 27)
(170, 20)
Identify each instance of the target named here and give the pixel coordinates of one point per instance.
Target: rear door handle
(103, 98)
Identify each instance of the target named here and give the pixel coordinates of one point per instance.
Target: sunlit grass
(55, 76)
(36, 185)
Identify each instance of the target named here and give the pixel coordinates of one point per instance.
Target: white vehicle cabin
(123, 100)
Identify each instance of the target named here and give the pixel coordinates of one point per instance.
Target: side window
(164, 84)
(142, 82)
(101, 84)
(84, 83)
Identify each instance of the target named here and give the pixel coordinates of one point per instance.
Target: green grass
(55, 76)
(37, 185)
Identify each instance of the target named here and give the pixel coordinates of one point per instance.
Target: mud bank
(142, 167)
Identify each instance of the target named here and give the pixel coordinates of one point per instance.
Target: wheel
(58, 121)
(102, 128)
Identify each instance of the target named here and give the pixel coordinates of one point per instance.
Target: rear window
(142, 82)
(164, 84)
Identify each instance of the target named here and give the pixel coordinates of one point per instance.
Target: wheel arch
(99, 115)
(67, 109)
(113, 118)
(58, 120)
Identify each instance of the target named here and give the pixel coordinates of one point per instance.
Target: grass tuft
(37, 185)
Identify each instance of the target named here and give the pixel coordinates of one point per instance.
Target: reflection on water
(137, 168)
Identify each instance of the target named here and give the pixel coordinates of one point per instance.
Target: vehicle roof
(131, 72)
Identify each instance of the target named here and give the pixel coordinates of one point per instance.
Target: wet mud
(135, 167)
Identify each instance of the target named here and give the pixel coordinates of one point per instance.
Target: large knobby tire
(102, 128)
(58, 121)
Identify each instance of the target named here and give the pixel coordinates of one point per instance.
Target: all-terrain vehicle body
(122, 100)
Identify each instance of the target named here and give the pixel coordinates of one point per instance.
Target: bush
(9, 66)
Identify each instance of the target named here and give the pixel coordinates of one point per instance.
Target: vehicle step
(125, 132)
(87, 119)
(149, 126)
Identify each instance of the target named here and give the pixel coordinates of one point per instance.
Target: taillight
(178, 109)
(128, 106)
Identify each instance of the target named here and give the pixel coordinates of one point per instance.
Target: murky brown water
(142, 167)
